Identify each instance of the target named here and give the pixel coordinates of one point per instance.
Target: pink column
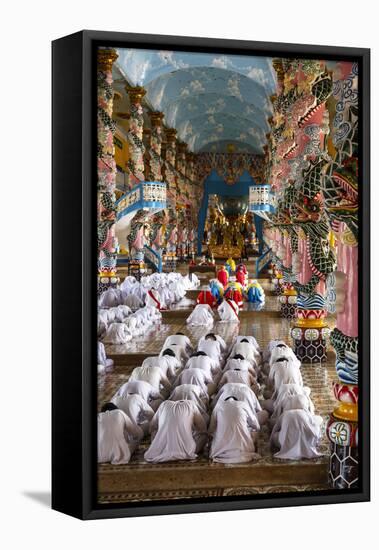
(287, 260)
(347, 262)
(306, 271)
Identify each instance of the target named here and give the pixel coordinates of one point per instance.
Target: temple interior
(228, 204)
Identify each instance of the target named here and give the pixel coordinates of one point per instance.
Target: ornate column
(106, 172)
(135, 135)
(170, 176)
(156, 139)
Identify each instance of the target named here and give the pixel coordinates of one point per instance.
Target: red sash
(154, 298)
(233, 308)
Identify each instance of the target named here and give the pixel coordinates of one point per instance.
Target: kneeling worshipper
(270, 346)
(282, 350)
(153, 299)
(179, 432)
(248, 351)
(198, 377)
(238, 376)
(250, 339)
(151, 395)
(233, 428)
(133, 301)
(223, 276)
(200, 360)
(179, 339)
(154, 375)
(211, 346)
(228, 311)
(238, 361)
(242, 392)
(168, 362)
(220, 340)
(102, 362)
(297, 432)
(117, 435)
(284, 395)
(234, 292)
(118, 333)
(216, 289)
(241, 275)
(194, 393)
(284, 371)
(254, 292)
(202, 315)
(206, 297)
(230, 265)
(137, 409)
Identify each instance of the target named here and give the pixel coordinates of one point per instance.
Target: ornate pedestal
(342, 431)
(288, 302)
(309, 334)
(277, 282)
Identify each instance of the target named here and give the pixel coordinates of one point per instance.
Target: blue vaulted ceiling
(212, 100)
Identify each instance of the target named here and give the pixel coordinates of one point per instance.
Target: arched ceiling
(212, 100)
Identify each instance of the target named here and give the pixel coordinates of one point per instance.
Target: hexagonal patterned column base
(311, 351)
(344, 467)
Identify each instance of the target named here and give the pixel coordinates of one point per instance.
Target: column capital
(171, 134)
(156, 118)
(105, 58)
(136, 93)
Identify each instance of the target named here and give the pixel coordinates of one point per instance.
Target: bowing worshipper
(102, 362)
(179, 352)
(153, 299)
(234, 292)
(151, 395)
(194, 393)
(179, 339)
(250, 339)
(238, 361)
(220, 340)
(167, 362)
(117, 435)
(238, 376)
(217, 290)
(198, 377)
(206, 297)
(282, 350)
(133, 301)
(297, 432)
(179, 432)
(212, 347)
(154, 375)
(242, 392)
(228, 311)
(110, 298)
(137, 409)
(248, 351)
(121, 312)
(202, 315)
(200, 360)
(223, 276)
(254, 292)
(233, 428)
(284, 395)
(241, 275)
(230, 265)
(117, 333)
(270, 346)
(283, 371)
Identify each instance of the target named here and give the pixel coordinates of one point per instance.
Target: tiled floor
(264, 325)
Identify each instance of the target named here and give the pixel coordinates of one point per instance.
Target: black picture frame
(74, 449)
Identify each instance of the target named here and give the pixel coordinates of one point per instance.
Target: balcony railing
(261, 200)
(150, 195)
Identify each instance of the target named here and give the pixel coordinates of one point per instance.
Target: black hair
(109, 407)
(231, 397)
(281, 346)
(180, 334)
(281, 359)
(244, 340)
(237, 369)
(211, 335)
(169, 352)
(201, 353)
(238, 356)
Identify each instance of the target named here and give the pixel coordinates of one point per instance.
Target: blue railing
(153, 257)
(150, 195)
(262, 261)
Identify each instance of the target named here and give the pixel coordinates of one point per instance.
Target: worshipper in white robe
(198, 377)
(239, 376)
(232, 424)
(270, 346)
(117, 333)
(220, 340)
(248, 351)
(153, 299)
(200, 360)
(179, 352)
(151, 395)
(212, 348)
(192, 393)
(202, 315)
(133, 301)
(168, 362)
(237, 361)
(228, 311)
(284, 395)
(137, 409)
(284, 371)
(251, 340)
(121, 312)
(102, 361)
(178, 430)
(297, 432)
(117, 435)
(282, 350)
(242, 392)
(179, 339)
(154, 375)
(110, 298)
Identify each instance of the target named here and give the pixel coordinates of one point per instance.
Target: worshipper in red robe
(222, 276)
(241, 275)
(233, 293)
(206, 297)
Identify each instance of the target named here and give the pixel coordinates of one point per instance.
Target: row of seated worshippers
(188, 402)
(296, 430)
(203, 314)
